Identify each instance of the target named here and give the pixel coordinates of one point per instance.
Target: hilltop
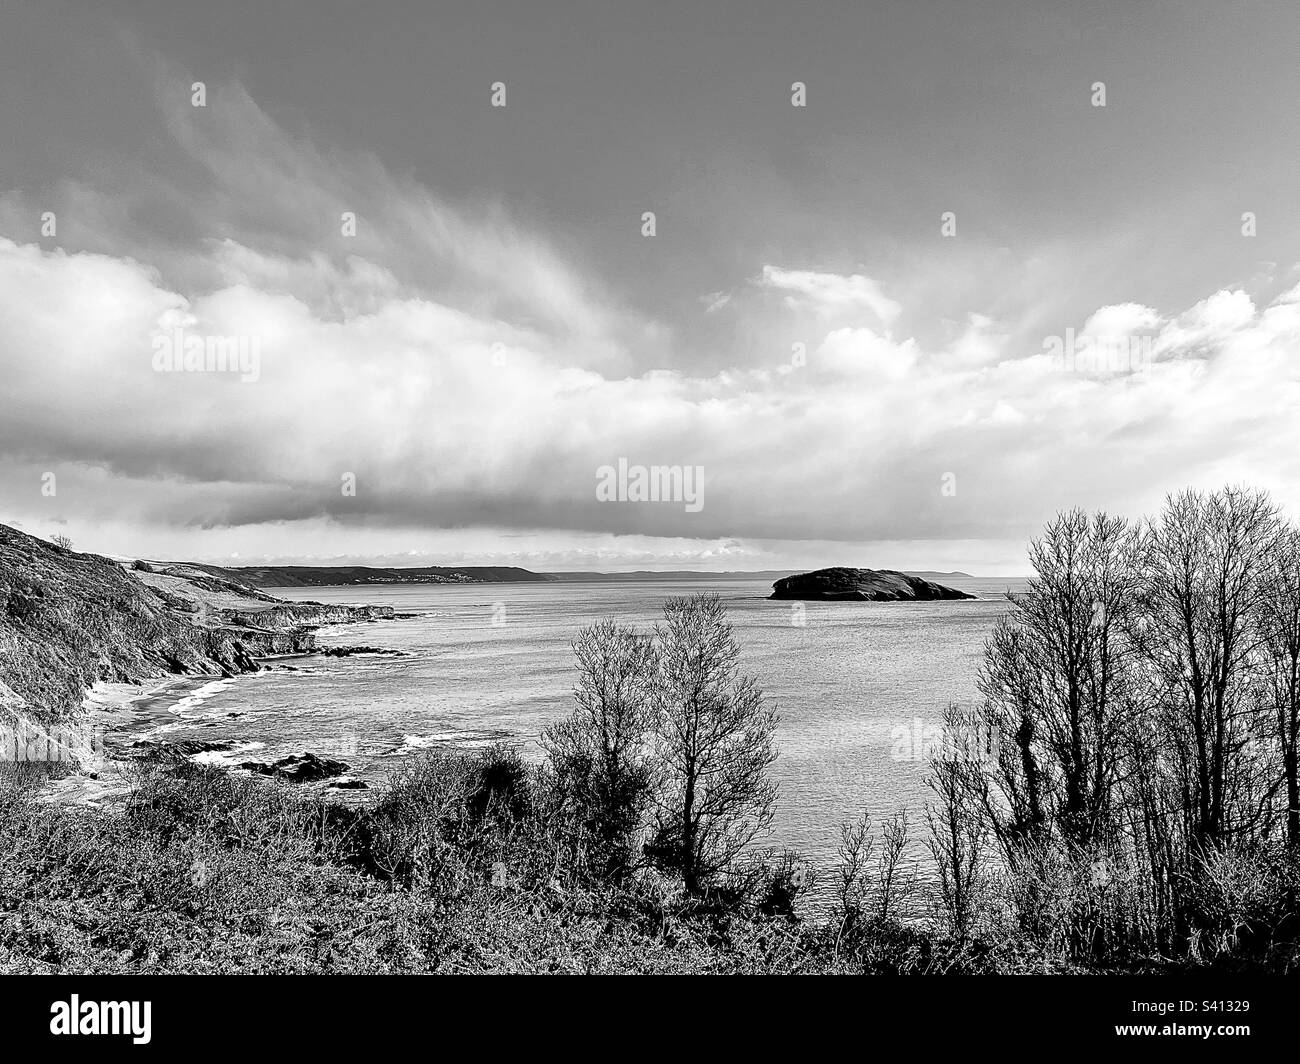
(261, 576)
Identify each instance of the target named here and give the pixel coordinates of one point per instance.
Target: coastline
(113, 714)
(123, 724)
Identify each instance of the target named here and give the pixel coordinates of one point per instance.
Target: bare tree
(715, 741)
(957, 823)
(1279, 626)
(894, 884)
(872, 889)
(857, 844)
(1057, 684)
(1203, 559)
(1144, 698)
(599, 755)
(60, 540)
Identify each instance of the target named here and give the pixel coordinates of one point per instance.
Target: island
(842, 584)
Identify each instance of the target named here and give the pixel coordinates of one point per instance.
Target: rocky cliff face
(68, 620)
(862, 585)
(313, 614)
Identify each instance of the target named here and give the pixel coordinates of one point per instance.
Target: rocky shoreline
(306, 767)
(70, 621)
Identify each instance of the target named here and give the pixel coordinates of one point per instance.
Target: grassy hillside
(68, 620)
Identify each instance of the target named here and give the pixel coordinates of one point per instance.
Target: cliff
(68, 620)
(862, 585)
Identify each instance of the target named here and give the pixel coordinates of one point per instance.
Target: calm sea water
(856, 685)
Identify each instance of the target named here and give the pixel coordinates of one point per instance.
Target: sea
(860, 687)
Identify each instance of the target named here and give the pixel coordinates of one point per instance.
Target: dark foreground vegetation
(1124, 798)
(459, 868)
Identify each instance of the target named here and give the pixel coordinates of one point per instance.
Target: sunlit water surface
(857, 685)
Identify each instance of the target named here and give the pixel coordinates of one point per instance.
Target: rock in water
(842, 584)
(304, 768)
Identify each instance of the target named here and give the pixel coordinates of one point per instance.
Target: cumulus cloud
(471, 377)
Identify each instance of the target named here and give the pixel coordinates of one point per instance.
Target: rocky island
(842, 584)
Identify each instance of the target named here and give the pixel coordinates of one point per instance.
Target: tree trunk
(690, 873)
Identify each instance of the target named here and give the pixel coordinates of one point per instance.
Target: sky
(1003, 259)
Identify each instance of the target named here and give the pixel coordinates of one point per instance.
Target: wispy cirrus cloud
(830, 294)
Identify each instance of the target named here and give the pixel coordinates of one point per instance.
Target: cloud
(715, 301)
(864, 353)
(470, 377)
(830, 294)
